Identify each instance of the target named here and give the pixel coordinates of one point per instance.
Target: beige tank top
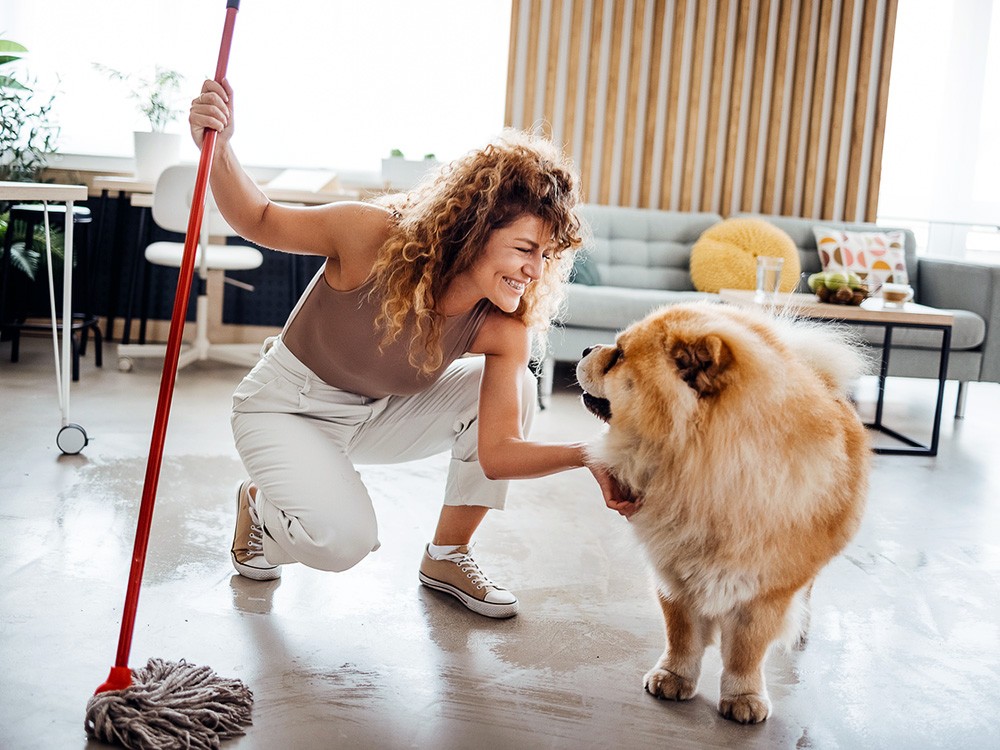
(333, 334)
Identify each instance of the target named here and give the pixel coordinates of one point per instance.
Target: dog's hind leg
(800, 617)
(747, 633)
(675, 676)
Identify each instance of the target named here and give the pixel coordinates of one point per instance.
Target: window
(941, 156)
(319, 83)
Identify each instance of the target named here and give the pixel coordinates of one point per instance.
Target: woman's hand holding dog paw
(617, 496)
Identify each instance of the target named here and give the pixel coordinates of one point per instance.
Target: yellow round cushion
(725, 256)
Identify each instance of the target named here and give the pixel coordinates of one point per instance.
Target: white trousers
(300, 439)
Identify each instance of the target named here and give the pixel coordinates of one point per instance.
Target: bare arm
(345, 231)
(504, 453)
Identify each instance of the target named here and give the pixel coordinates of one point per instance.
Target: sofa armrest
(959, 285)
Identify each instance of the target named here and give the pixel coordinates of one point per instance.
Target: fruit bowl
(842, 296)
(838, 288)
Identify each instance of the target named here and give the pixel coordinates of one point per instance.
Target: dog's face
(659, 369)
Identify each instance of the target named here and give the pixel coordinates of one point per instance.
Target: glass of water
(768, 278)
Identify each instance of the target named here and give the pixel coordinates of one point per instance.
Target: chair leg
(5, 266)
(83, 295)
(15, 343)
(963, 391)
(98, 345)
(76, 356)
(84, 336)
(144, 303)
(546, 372)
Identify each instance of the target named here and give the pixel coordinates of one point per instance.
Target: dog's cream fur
(752, 465)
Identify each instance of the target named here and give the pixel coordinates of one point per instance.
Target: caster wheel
(72, 439)
(125, 364)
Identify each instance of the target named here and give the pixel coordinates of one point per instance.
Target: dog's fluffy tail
(836, 353)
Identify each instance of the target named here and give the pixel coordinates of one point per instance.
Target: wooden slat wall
(769, 106)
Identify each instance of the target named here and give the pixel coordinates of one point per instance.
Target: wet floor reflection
(902, 651)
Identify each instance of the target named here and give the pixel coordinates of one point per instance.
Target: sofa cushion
(641, 247)
(615, 307)
(876, 257)
(725, 256)
(585, 270)
(967, 332)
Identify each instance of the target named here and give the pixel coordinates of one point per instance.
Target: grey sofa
(641, 260)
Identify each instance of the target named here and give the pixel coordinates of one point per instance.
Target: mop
(169, 704)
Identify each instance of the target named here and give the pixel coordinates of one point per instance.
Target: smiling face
(514, 256)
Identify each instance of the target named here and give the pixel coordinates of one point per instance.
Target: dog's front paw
(665, 684)
(746, 709)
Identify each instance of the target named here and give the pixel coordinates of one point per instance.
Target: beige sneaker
(459, 575)
(248, 540)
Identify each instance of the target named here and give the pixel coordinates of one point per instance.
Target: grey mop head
(171, 705)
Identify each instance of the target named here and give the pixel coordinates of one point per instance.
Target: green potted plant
(27, 140)
(400, 173)
(156, 98)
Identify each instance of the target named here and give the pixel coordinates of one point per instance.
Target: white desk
(330, 193)
(71, 438)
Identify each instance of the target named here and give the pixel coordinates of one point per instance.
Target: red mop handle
(121, 676)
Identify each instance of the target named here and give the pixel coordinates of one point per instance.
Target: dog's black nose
(588, 350)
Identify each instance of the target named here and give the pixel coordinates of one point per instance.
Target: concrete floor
(903, 650)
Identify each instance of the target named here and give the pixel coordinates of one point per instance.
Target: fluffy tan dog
(752, 466)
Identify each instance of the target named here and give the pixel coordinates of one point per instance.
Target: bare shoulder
(504, 336)
(354, 232)
(359, 211)
(363, 221)
(332, 229)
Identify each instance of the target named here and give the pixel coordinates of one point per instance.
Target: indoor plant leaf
(7, 46)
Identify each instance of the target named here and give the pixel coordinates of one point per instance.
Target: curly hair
(442, 226)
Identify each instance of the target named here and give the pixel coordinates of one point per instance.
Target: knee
(333, 541)
(341, 552)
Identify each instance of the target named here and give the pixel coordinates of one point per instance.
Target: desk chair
(171, 209)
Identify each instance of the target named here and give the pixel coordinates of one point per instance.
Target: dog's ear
(700, 363)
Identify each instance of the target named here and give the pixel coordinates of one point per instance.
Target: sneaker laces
(471, 569)
(255, 539)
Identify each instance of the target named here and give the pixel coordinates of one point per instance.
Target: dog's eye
(616, 356)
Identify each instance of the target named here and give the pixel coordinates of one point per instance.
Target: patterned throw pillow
(877, 257)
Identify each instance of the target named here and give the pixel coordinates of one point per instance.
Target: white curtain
(941, 159)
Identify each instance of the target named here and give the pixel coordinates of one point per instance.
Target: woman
(368, 368)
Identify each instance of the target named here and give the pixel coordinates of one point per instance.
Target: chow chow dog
(734, 429)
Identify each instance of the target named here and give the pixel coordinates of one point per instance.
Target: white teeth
(515, 285)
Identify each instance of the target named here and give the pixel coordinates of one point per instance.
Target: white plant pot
(154, 152)
(403, 174)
